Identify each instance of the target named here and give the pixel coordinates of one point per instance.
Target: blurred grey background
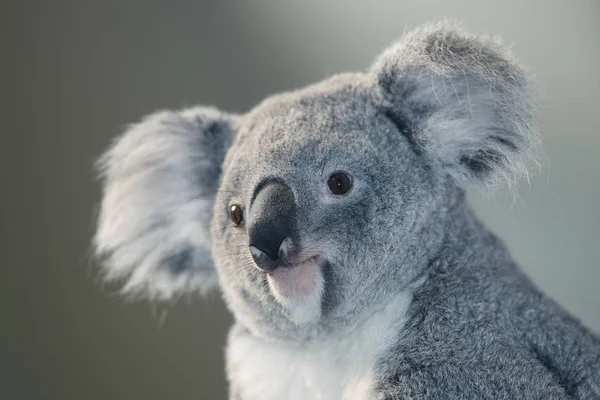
(75, 72)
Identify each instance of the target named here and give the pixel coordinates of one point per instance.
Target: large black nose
(270, 222)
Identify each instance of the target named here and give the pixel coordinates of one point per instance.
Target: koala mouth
(296, 279)
(298, 288)
(316, 259)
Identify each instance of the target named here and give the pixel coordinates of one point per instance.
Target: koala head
(318, 204)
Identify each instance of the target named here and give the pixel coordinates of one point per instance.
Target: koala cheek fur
(411, 296)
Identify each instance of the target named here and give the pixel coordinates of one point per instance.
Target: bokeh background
(74, 73)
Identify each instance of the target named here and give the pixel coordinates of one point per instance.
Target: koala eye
(236, 213)
(339, 183)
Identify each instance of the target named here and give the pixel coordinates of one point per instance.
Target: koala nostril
(266, 259)
(285, 247)
(262, 260)
(267, 244)
(257, 255)
(267, 237)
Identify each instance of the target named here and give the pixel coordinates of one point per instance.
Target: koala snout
(265, 261)
(271, 225)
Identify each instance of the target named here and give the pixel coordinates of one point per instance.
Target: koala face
(327, 210)
(318, 204)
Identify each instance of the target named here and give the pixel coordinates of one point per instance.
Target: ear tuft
(463, 100)
(159, 184)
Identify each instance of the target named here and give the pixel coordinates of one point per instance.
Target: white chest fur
(340, 367)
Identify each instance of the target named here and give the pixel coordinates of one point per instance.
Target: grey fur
(437, 112)
(463, 98)
(160, 181)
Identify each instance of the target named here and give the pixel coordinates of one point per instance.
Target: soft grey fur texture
(437, 112)
(161, 180)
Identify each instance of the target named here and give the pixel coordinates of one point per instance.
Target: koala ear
(159, 184)
(462, 101)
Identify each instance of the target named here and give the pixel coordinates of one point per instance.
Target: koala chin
(298, 289)
(333, 220)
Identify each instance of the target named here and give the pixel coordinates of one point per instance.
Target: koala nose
(271, 224)
(260, 255)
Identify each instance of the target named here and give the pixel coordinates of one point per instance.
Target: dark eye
(237, 214)
(339, 183)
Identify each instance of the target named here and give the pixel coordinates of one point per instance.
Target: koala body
(335, 222)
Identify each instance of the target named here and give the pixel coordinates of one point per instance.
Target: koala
(333, 219)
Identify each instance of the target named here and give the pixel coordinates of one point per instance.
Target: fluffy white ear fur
(463, 100)
(159, 183)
